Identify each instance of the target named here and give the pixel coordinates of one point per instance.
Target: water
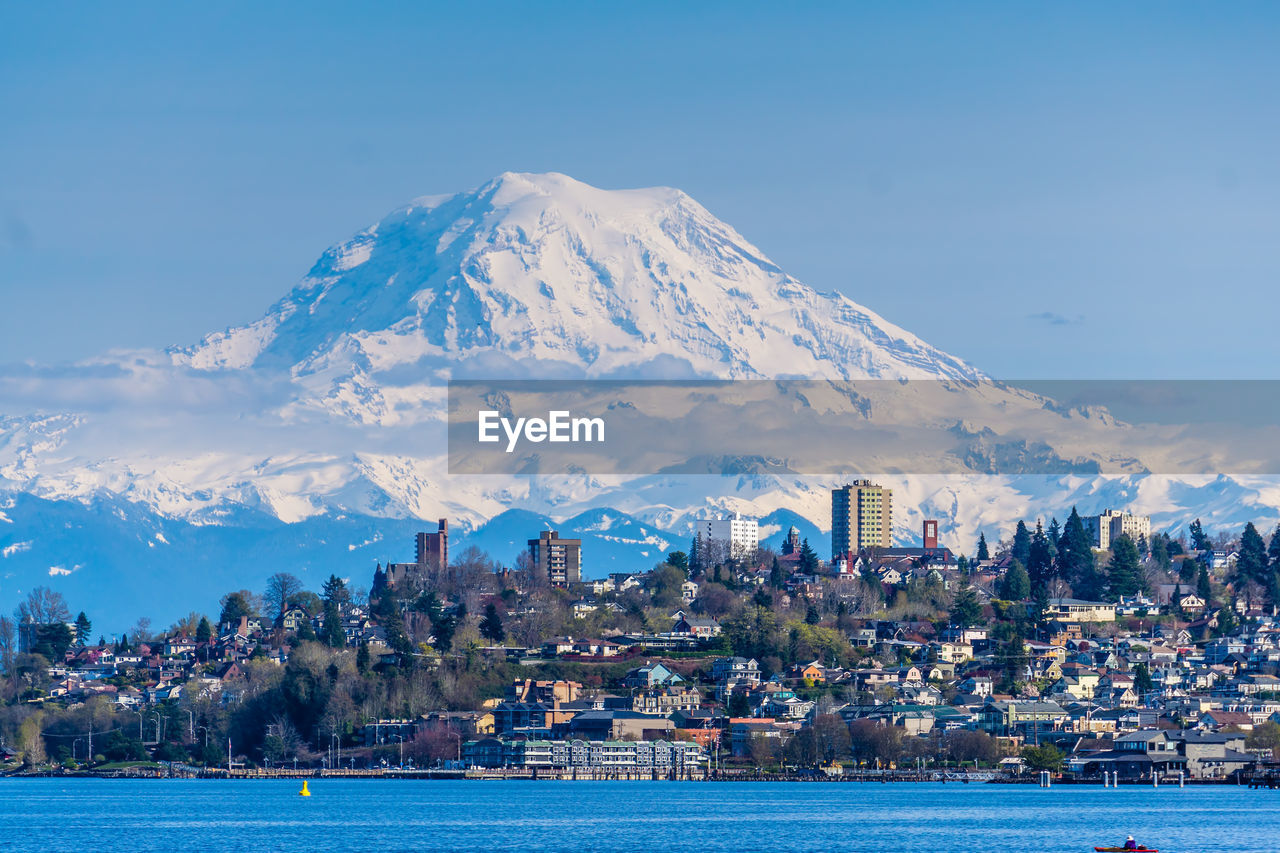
(142, 816)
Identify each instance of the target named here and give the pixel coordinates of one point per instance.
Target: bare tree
(8, 645)
(281, 587)
(44, 607)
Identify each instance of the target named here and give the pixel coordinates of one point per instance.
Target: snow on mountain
(313, 436)
(544, 275)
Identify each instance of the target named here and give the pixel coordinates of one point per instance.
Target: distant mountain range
(311, 440)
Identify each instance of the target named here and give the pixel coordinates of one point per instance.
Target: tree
(1265, 736)
(1204, 589)
(777, 577)
(1124, 574)
(1040, 557)
(1273, 550)
(1252, 564)
(491, 625)
(1021, 550)
(1159, 546)
(332, 632)
(1076, 564)
(1187, 570)
(963, 746)
(204, 631)
(1015, 585)
(739, 705)
(8, 645)
(808, 558)
(1047, 757)
(983, 552)
(335, 591)
(83, 627)
(966, 610)
(281, 587)
(680, 560)
(812, 616)
(1142, 682)
(1199, 540)
(236, 605)
(43, 606)
(362, 657)
(665, 584)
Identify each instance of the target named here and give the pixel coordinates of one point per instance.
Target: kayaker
(1130, 844)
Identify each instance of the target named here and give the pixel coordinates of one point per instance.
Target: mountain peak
(542, 274)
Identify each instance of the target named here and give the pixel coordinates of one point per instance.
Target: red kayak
(1126, 850)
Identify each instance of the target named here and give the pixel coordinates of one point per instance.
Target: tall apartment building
(558, 560)
(740, 535)
(1105, 527)
(430, 561)
(861, 517)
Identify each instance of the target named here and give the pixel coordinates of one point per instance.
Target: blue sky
(1075, 190)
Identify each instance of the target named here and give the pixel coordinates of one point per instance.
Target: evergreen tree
(491, 625)
(1160, 550)
(1199, 539)
(1204, 589)
(362, 657)
(1021, 550)
(332, 632)
(1227, 622)
(1054, 534)
(1040, 558)
(983, 552)
(1175, 601)
(777, 577)
(962, 565)
(966, 610)
(812, 616)
(1076, 562)
(83, 627)
(1142, 682)
(306, 633)
(808, 558)
(443, 628)
(1187, 570)
(335, 592)
(1253, 563)
(204, 631)
(1124, 572)
(379, 582)
(1015, 585)
(1273, 550)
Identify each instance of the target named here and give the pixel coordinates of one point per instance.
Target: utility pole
(89, 757)
(228, 756)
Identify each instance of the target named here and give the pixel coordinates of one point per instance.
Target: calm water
(193, 815)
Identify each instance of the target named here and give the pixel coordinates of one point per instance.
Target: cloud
(16, 548)
(1053, 318)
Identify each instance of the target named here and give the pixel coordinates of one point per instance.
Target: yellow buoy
(305, 792)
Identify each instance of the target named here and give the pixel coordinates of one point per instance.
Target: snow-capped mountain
(312, 438)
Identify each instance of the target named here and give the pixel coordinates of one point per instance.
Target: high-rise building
(431, 558)
(739, 537)
(861, 517)
(1110, 523)
(557, 560)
